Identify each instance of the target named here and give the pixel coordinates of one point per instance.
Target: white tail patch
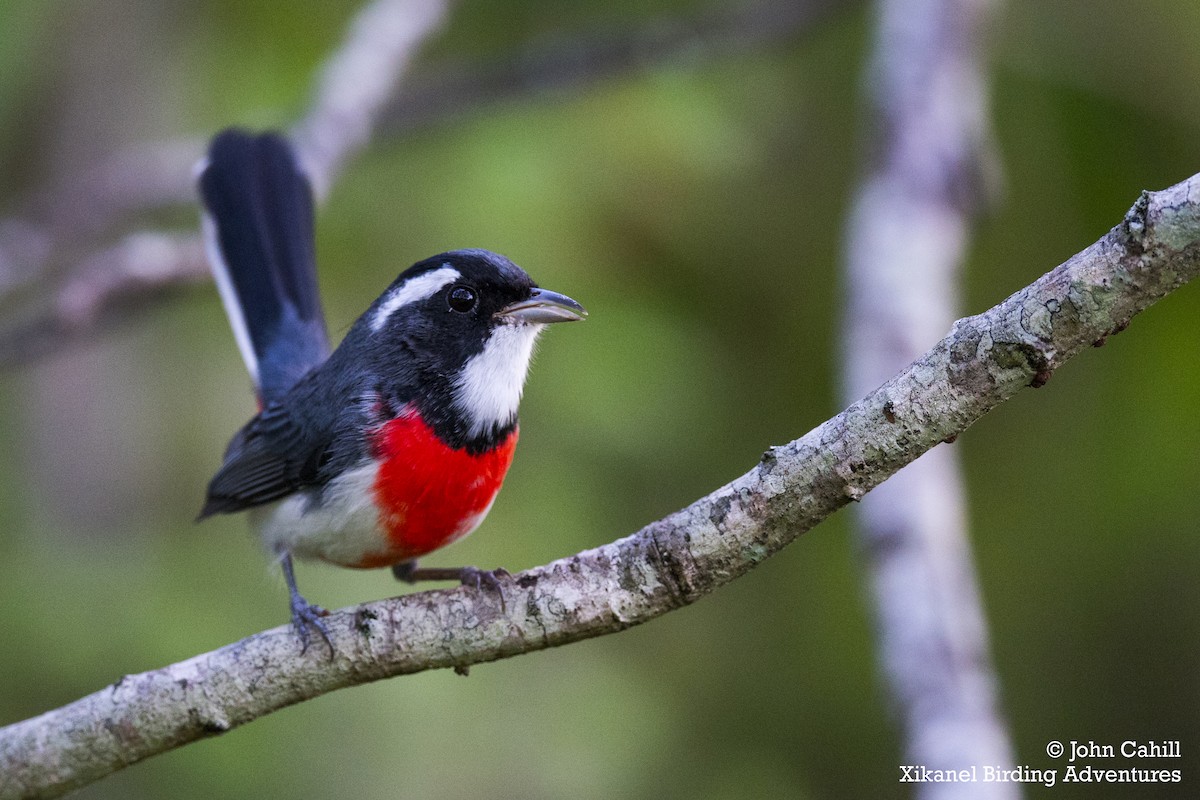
(488, 390)
(229, 297)
(413, 290)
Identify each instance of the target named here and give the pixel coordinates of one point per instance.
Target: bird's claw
(306, 615)
(474, 576)
(489, 578)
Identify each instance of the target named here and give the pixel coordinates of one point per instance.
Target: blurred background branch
(984, 361)
(559, 65)
(931, 166)
(359, 80)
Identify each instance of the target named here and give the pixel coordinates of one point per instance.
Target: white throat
(488, 390)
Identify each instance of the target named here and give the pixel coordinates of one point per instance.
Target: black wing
(271, 457)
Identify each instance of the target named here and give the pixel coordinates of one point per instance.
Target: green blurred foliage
(697, 210)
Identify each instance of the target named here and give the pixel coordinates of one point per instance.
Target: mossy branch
(672, 562)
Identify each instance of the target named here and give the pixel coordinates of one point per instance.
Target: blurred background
(695, 204)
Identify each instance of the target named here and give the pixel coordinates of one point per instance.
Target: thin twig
(984, 360)
(140, 270)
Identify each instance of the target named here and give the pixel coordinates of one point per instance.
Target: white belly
(343, 529)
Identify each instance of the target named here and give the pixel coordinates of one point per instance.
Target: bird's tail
(258, 227)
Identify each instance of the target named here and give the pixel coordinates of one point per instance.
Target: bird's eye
(462, 299)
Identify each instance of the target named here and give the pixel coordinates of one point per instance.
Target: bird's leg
(408, 572)
(304, 613)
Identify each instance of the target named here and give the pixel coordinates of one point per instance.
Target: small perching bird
(397, 442)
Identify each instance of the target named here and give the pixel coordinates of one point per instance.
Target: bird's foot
(305, 615)
(480, 578)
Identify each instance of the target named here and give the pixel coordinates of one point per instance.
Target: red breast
(430, 494)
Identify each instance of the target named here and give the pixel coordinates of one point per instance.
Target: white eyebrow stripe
(413, 290)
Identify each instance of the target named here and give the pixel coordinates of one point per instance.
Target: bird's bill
(544, 306)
